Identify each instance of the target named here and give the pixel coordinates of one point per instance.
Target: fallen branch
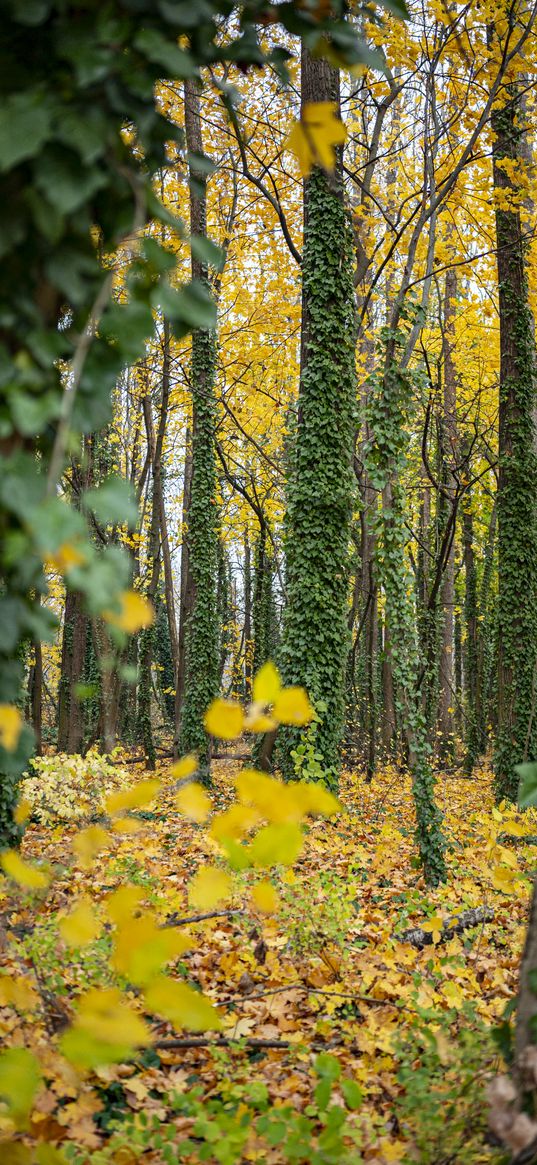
(417, 937)
(174, 920)
(219, 1042)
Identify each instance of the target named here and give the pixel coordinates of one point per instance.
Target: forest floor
(376, 1051)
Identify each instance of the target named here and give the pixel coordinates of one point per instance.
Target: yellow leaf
(314, 798)
(10, 726)
(105, 1030)
(293, 707)
(141, 794)
(141, 948)
(183, 1006)
(276, 845)
(122, 903)
(65, 557)
(22, 812)
(194, 802)
(22, 872)
(234, 822)
(127, 825)
(20, 1078)
(257, 721)
(81, 926)
(516, 828)
(88, 843)
(453, 994)
(503, 880)
(134, 613)
(434, 926)
(208, 887)
(18, 993)
(265, 897)
(185, 766)
(314, 137)
(225, 719)
(267, 684)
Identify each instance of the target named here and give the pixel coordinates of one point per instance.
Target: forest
(268, 582)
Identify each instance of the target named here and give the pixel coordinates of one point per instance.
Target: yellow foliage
(208, 887)
(10, 726)
(185, 767)
(22, 872)
(183, 1006)
(267, 684)
(105, 1030)
(18, 993)
(80, 926)
(194, 802)
(135, 612)
(292, 706)
(313, 139)
(141, 794)
(122, 903)
(88, 843)
(265, 897)
(141, 948)
(225, 719)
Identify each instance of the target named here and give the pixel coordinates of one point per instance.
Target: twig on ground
(417, 937)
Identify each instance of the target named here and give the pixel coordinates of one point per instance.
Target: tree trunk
(201, 672)
(185, 592)
(70, 709)
(447, 595)
(517, 486)
(320, 485)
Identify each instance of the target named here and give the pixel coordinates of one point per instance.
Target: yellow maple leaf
(142, 947)
(182, 1005)
(141, 794)
(234, 822)
(185, 767)
(88, 843)
(265, 897)
(453, 994)
(292, 706)
(433, 926)
(22, 812)
(276, 845)
(267, 684)
(257, 721)
(66, 556)
(81, 926)
(18, 993)
(105, 1030)
(10, 726)
(503, 879)
(22, 872)
(208, 887)
(225, 719)
(135, 612)
(313, 139)
(128, 825)
(194, 802)
(122, 903)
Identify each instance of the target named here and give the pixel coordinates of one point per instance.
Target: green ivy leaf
(25, 123)
(527, 793)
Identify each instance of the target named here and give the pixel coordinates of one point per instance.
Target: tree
(202, 630)
(517, 485)
(320, 487)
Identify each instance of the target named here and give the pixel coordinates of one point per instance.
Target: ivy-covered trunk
(517, 483)
(320, 486)
(202, 632)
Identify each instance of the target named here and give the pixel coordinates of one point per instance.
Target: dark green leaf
(527, 792)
